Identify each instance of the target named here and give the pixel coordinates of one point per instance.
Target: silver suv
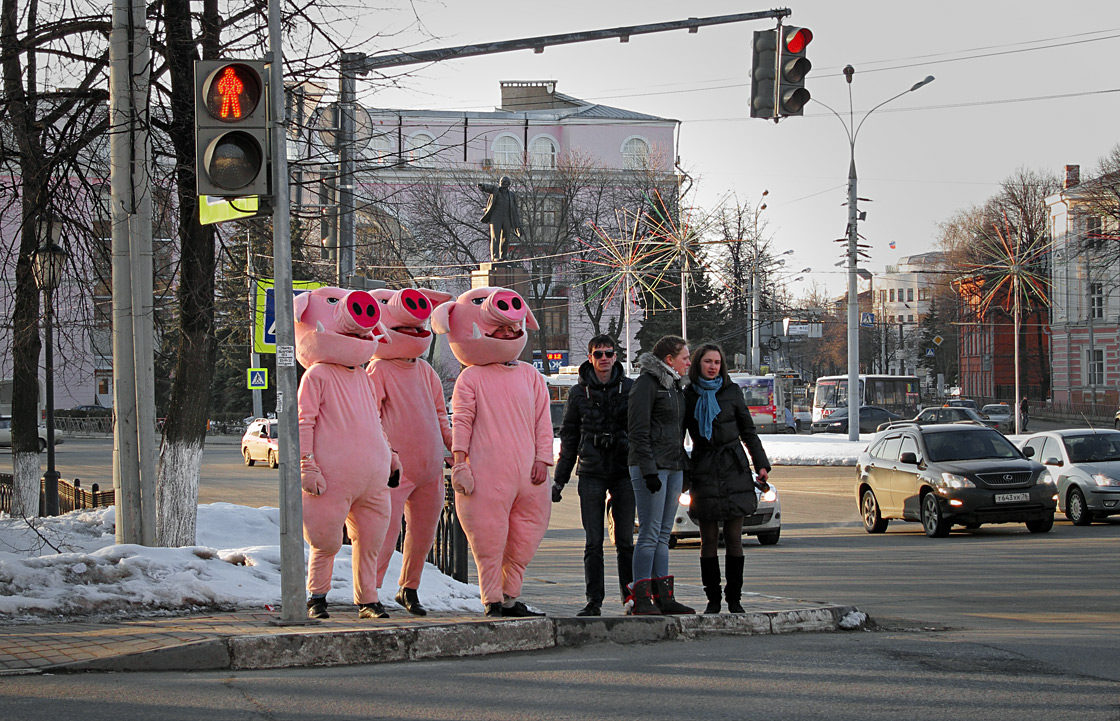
(951, 474)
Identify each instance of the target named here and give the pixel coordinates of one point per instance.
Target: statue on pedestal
(502, 215)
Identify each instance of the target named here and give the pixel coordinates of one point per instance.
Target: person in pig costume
(346, 464)
(501, 440)
(414, 414)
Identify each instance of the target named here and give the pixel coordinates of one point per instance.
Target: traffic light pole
(353, 64)
(292, 569)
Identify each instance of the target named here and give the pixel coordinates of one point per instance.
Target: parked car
(765, 523)
(1002, 414)
(870, 418)
(6, 434)
(951, 475)
(91, 411)
(260, 443)
(1085, 466)
(936, 416)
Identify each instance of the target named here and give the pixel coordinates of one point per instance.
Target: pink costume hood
(471, 319)
(334, 325)
(404, 313)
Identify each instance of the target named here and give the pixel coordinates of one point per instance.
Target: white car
(765, 523)
(6, 434)
(1085, 465)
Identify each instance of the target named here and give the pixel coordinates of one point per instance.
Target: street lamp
(758, 208)
(49, 260)
(854, 217)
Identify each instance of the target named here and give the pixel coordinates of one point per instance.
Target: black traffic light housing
(793, 66)
(764, 73)
(232, 148)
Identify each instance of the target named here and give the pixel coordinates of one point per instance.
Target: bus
(900, 394)
(558, 386)
(767, 397)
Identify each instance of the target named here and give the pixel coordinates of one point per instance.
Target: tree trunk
(180, 459)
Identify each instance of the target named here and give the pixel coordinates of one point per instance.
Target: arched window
(507, 152)
(380, 149)
(422, 150)
(542, 153)
(635, 153)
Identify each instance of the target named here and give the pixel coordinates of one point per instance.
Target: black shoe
(372, 610)
(519, 610)
(713, 607)
(591, 609)
(317, 608)
(494, 610)
(734, 606)
(407, 598)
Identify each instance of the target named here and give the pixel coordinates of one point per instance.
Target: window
(542, 153)
(923, 293)
(882, 296)
(1093, 236)
(380, 149)
(909, 445)
(892, 295)
(635, 154)
(507, 152)
(1096, 300)
(910, 318)
(909, 294)
(1095, 366)
(901, 294)
(422, 150)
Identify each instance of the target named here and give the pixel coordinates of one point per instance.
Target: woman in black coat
(721, 485)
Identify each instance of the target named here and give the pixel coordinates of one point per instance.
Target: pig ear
(435, 297)
(300, 305)
(530, 319)
(441, 317)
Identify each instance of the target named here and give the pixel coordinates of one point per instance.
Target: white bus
(900, 394)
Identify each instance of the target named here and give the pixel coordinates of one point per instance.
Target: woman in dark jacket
(657, 460)
(720, 482)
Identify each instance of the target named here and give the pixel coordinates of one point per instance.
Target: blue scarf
(707, 408)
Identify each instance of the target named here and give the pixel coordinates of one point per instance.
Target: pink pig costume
(345, 458)
(414, 414)
(501, 423)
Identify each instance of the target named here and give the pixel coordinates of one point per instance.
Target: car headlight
(837, 424)
(1046, 478)
(952, 480)
(1102, 480)
(685, 499)
(770, 495)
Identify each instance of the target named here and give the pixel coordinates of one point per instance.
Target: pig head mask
(334, 325)
(405, 314)
(471, 320)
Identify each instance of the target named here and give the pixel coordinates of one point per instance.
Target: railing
(71, 496)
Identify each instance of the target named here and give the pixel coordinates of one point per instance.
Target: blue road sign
(929, 353)
(867, 320)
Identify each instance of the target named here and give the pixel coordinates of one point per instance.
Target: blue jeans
(592, 504)
(655, 521)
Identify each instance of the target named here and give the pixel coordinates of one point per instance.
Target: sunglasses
(603, 354)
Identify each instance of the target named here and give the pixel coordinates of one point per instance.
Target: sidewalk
(249, 639)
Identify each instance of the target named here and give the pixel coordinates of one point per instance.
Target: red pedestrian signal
(231, 128)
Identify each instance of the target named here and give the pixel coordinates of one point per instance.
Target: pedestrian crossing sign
(258, 379)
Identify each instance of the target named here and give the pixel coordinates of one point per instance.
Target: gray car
(1085, 465)
(949, 475)
(1001, 414)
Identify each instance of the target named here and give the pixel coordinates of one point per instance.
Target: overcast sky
(1028, 83)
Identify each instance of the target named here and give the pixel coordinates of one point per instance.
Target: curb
(387, 645)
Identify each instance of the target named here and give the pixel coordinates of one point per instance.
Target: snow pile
(236, 564)
(853, 620)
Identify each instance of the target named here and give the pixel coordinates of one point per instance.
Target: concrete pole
(345, 135)
(853, 303)
(756, 358)
(293, 572)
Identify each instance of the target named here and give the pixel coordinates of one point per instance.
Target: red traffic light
(797, 41)
(232, 92)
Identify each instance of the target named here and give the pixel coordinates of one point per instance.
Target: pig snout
(357, 313)
(504, 308)
(410, 303)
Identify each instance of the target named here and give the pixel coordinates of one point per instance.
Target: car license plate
(1012, 497)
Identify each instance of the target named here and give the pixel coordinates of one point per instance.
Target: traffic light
(231, 128)
(764, 73)
(793, 66)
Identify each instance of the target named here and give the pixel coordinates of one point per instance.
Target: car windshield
(968, 445)
(1093, 447)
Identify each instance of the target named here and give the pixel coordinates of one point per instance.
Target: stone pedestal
(507, 274)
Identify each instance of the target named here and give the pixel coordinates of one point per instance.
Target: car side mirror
(1052, 462)
(1028, 452)
(909, 458)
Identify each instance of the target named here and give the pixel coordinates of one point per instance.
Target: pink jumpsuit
(413, 412)
(334, 400)
(501, 420)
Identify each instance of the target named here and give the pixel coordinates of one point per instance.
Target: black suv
(953, 474)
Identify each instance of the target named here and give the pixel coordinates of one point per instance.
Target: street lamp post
(853, 246)
(49, 261)
(758, 208)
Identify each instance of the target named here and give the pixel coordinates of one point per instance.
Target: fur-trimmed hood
(666, 376)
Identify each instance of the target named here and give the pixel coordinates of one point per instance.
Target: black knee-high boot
(709, 576)
(734, 588)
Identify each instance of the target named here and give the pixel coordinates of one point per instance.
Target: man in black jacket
(594, 429)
